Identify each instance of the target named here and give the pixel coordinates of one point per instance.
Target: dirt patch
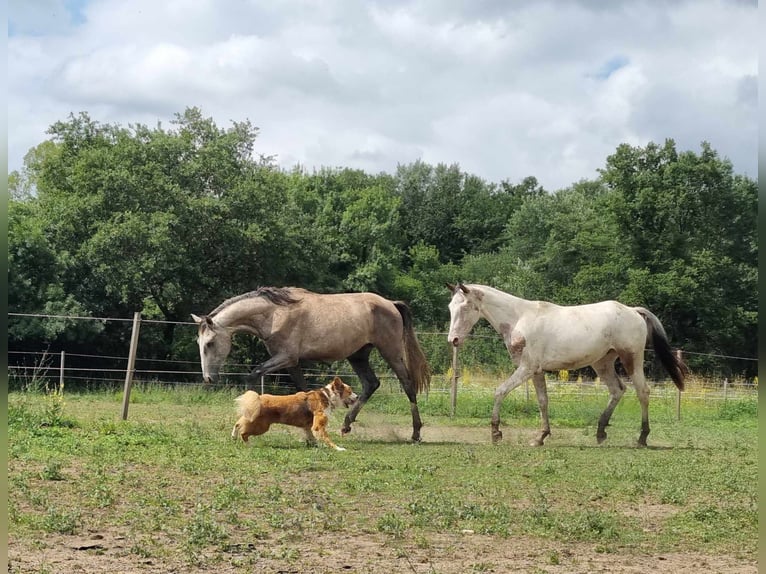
(109, 552)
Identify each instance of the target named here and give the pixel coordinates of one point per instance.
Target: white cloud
(504, 89)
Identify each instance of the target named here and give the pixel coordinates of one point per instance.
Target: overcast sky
(506, 89)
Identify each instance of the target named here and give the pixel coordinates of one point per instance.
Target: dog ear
(337, 381)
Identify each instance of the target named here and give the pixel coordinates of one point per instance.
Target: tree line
(105, 220)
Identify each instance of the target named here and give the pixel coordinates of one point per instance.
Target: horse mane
(277, 295)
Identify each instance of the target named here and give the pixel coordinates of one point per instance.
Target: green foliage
(731, 410)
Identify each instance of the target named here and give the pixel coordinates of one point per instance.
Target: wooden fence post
(61, 373)
(679, 356)
(131, 364)
(453, 404)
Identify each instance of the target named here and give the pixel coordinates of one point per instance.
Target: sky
(506, 89)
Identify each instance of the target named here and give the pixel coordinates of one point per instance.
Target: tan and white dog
(306, 410)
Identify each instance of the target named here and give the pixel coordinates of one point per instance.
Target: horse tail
(658, 339)
(414, 358)
(248, 405)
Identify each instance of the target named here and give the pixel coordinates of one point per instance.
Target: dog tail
(248, 405)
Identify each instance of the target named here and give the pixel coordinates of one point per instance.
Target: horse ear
(203, 321)
(463, 288)
(451, 287)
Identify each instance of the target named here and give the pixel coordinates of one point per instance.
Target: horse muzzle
(456, 341)
(350, 400)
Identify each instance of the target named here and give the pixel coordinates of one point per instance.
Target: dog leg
(238, 431)
(310, 440)
(319, 429)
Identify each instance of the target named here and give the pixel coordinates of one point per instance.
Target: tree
(689, 226)
(149, 219)
(456, 212)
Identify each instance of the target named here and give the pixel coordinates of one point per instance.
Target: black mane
(277, 295)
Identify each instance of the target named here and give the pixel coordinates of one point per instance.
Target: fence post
(262, 377)
(725, 388)
(131, 364)
(453, 404)
(61, 373)
(679, 356)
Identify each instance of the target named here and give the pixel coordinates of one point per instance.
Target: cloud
(506, 90)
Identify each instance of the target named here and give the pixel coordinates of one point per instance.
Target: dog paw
(340, 448)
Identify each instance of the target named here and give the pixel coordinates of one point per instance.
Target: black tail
(415, 359)
(658, 339)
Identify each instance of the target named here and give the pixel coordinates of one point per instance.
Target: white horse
(542, 336)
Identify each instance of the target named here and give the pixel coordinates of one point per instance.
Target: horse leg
(520, 375)
(296, 375)
(396, 362)
(606, 372)
(635, 367)
(360, 362)
(542, 402)
(276, 362)
(409, 389)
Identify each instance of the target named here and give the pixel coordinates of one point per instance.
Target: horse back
(574, 336)
(334, 326)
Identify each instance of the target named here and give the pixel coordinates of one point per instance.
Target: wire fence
(43, 367)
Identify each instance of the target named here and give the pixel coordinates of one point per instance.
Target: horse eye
(209, 344)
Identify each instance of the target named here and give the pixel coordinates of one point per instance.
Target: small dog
(306, 410)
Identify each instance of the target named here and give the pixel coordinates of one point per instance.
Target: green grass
(172, 481)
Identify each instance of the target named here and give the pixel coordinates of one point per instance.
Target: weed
(737, 409)
(142, 549)
(60, 521)
(673, 494)
(421, 541)
(227, 496)
(53, 409)
(203, 531)
(52, 471)
(391, 523)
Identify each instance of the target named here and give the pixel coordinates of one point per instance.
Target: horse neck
(245, 315)
(498, 307)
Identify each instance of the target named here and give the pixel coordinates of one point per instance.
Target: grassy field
(169, 491)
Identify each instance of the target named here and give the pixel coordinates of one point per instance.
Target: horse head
(214, 346)
(464, 312)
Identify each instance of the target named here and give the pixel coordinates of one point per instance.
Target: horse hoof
(642, 444)
(600, 438)
(536, 442)
(497, 437)
(344, 431)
